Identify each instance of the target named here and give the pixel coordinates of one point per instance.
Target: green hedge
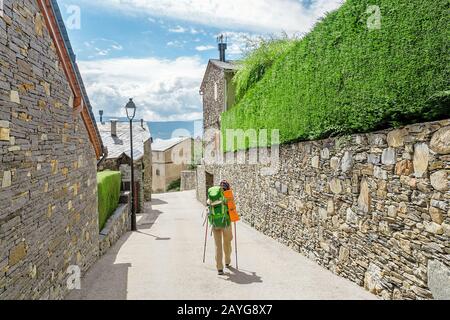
(108, 195)
(174, 185)
(343, 78)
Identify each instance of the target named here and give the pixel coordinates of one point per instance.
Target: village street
(164, 261)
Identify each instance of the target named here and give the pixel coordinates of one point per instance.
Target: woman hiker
(223, 234)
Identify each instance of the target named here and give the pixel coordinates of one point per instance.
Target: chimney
(101, 116)
(114, 127)
(222, 47)
(142, 123)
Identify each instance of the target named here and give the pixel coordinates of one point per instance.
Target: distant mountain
(170, 129)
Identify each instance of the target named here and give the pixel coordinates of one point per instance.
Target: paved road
(164, 261)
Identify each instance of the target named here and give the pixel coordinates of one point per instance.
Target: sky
(156, 51)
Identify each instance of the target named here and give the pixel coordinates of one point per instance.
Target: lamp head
(131, 109)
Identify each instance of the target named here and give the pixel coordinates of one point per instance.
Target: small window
(216, 92)
(158, 173)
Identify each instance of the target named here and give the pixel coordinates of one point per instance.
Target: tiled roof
(228, 65)
(119, 145)
(161, 145)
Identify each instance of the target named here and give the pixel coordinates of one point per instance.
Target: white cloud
(101, 47)
(204, 48)
(291, 16)
(176, 43)
(178, 29)
(162, 89)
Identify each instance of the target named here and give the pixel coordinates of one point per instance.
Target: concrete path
(164, 261)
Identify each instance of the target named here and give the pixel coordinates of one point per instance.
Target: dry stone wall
(48, 188)
(373, 208)
(188, 180)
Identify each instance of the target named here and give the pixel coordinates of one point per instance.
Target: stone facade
(217, 91)
(188, 180)
(48, 189)
(373, 208)
(118, 224)
(214, 97)
(147, 172)
(168, 163)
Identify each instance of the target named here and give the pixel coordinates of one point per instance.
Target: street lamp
(131, 113)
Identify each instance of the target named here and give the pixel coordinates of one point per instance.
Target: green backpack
(218, 209)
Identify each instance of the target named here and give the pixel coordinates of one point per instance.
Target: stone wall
(201, 184)
(148, 171)
(118, 224)
(188, 180)
(373, 208)
(48, 189)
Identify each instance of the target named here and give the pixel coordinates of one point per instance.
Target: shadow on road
(108, 280)
(240, 277)
(148, 218)
(153, 236)
(158, 202)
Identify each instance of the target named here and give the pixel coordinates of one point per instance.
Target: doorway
(209, 182)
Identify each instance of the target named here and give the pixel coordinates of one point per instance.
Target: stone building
(170, 158)
(218, 92)
(116, 138)
(49, 148)
(373, 208)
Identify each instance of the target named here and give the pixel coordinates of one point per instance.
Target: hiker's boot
(228, 266)
(221, 273)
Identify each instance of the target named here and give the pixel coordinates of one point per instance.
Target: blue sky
(157, 50)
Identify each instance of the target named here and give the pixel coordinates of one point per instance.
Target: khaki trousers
(223, 239)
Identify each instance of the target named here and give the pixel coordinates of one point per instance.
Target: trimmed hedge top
(343, 78)
(108, 194)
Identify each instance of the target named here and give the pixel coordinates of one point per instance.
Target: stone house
(49, 148)
(170, 158)
(116, 138)
(218, 92)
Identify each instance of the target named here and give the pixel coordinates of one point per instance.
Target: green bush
(108, 183)
(258, 62)
(343, 78)
(174, 185)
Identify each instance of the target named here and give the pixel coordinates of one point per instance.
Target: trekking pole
(206, 239)
(235, 245)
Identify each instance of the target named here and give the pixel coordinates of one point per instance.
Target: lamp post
(131, 113)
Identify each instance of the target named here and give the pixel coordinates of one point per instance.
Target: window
(158, 173)
(216, 92)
